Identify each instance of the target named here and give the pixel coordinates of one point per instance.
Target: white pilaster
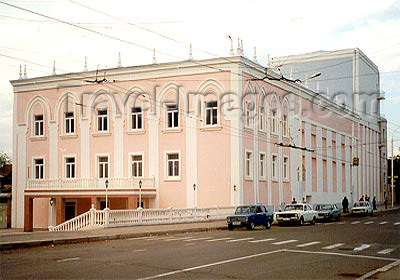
(320, 180)
(338, 162)
(53, 149)
(347, 165)
(269, 157)
(18, 208)
(309, 171)
(191, 161)
(85, 148)
(154, 155)
(255, 161)
(329, 151)
(118, 146)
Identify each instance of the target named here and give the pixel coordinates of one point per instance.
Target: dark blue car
(250, 216)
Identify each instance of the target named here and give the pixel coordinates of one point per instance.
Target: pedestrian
(367, 198)
(386, 202)
(345, 205)
(362, 198)
(294, 201)
(374, 203)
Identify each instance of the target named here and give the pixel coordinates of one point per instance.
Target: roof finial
(154, 56)
(85, 66)
(190, 52)
(241, 48)
(231, 52)
(255, 55)
(25, 76)
(119, 60)
(54, 68)
(238, 47)
(20, 72)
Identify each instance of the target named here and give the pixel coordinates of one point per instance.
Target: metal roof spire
(231, 52)
(85, 66)
(25, 76)
(190, 52)
(255, 55)
(119, 60)
(54, 68)
(20, 72)
(154, 56)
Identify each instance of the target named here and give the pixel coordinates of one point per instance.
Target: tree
(4, 159)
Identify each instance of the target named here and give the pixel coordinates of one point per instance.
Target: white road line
(219, 239)
(180, 238)
(396, 224)
(139, 238)
(382, 269)
(241, 239)
(333, 246)
(362, 247)
(341, 223)
(69, 259)
(262, 240)
(197, 239)
(368, 223)
(139, 250)
(285, 242)
(308, 244)
(384, 222)
(356, 222)
(209, 265)
(386, 251)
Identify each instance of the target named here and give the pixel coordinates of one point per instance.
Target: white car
(362, 208)
(298, 213)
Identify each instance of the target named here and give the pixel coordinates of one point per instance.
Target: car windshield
(245, 210)
(360, 204)
(324, 207)
(294, 207)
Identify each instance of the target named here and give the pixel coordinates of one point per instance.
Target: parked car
(327, 212)
(299, 213)
(362, 208)
(250, 216)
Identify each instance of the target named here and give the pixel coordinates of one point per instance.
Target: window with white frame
(285, 127)
(286, 168)
(136, 118)
(137, 165)
(274, 167)
(249, 159)
(38, 168)
(173, 165)
(274, 123)
(262, 165)
(261, 119)
(172, 116)
(38, 125)
(70, 167)
(102, 120)
(211, 113)
(69, 123)
(102, 166)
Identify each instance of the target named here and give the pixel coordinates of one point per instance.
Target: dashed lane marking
(139, 250)
(241, 239)
(197, 239)
(285, 242)
(308, 244)
(368, 223)
(180, 238)
(219, 239)
(139, 238)
(362, 247)
(396, 224)
(383, 223)
(333, 246)
(261, 240)
(386, 251)
(69, 259)
(356, 222)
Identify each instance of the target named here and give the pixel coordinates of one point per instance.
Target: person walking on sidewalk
(345, 205)
(374, 203)
(386, 202)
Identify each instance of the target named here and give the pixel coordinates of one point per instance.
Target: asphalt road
(348, 249)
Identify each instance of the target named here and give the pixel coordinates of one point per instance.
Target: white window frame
(262, 165)
(66, 166)
(69, 120)
(261, 118)
(136, 115)
(248, 163)
(98, 156)
(274, 122)
(285, 168)
(166, 160)
(131, 162)
(274, 167)
(106, 117)
(285, 125)
(40, 131)
(213, 110)
(43, 171)
(172, 112)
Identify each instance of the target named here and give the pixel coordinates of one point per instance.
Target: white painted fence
(111, 218)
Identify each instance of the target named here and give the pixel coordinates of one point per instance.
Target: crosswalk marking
(262, 240)
(384, 222)
(356, 222)
(362, 247)
(308, 244)
(386, 251)
(180, 238)
(333, 246)
(284, 242)
(368, 223)
(241, 239)
(197, 239)
(396, 224)
(219, 239)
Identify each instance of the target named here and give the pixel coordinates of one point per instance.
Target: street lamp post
(140, 194)
(106, 183)
(194, 195)
(391, 167)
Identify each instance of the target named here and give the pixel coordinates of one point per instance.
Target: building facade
(182, 134)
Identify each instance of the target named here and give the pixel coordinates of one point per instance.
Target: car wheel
(301, 222)
(313, 221)
(250, 226)
(230, 227)
(268, 225)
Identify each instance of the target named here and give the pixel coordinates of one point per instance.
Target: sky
(275, 28)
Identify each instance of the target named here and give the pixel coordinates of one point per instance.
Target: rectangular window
(249, 157)
(69, 122)
(172, 116)
(274, 125)
(262, 165)
(261, 119)
(137, 165)
(39, 125)
(173, 165)
(39, 168)
(285, 168)
(211, 113)
(70, 167)
(274, 167)
(285, 130)
(103, 167)
(137, 118)
(102, 120)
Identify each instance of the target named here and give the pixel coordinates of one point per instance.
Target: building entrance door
(70, 210)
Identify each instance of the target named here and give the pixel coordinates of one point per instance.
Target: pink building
(182, 134)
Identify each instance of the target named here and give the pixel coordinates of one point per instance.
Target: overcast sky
(276, 28)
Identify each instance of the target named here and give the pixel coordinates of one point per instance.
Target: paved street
(350, 248)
